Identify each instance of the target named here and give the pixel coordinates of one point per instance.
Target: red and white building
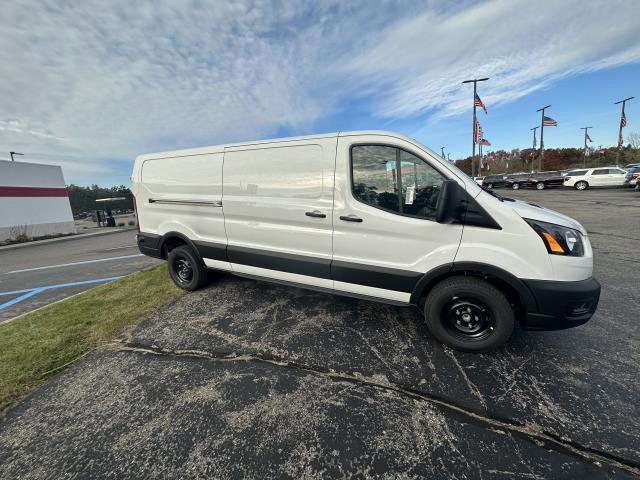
(33, 201)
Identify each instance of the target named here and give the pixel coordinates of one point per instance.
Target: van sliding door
(278, 203)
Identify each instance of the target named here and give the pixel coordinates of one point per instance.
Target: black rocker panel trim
(367, 275)
(282, 262)
(214, 251)
(373, 276)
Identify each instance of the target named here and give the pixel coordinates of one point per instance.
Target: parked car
(373, 215)
(595, 177)
(478, 180)
(631, 165)
(517, 180)
(494, 181)
(542, 180)
(631, 179)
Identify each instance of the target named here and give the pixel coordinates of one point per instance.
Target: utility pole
(443, 155)
(473, 128)
(14, 153)
(534, 136)
(623, 122)
(541, 135)
(584, 152)
(534, 145)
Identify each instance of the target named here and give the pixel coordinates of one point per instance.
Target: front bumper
(561, 304)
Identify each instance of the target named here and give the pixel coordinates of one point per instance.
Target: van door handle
(316, 214)
(350, 218)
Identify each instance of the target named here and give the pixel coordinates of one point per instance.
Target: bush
(131, 223)
(18, 233)
(121, 224)
(22, 237)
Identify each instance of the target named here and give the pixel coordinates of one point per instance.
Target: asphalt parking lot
(251, 380)
(37, 274)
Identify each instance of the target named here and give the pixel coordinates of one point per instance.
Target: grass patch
(35, 346)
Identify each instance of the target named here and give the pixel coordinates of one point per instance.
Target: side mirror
(449, 202)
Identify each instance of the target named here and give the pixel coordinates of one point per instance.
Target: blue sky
(90, 85)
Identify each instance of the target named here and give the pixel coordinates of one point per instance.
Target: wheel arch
(171, 240)
(515, 290)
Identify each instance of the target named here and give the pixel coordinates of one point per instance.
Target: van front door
(277, 202)
(385, 234)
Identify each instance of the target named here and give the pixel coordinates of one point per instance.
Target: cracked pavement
(251, 380)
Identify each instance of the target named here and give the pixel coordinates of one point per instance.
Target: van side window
(395, 180)
(601, 171)
(374, 176)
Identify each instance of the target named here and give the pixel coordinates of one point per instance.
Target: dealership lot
(248, 379)
(53, 271)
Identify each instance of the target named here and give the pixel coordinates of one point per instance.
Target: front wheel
(539, 186)
(185, 269)
(515, 186)
(581, 185)
(469, 314)
(489, 185)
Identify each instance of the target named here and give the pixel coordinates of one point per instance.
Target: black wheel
(539, 186)
(185, 269)
(469, 314)
(581, 185)
(489, 185)
(515, 186)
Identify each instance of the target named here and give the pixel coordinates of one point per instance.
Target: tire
(515, 186)
(469, 314)
(185, 269)
(581, 185)
(540, 186)
(489, 185)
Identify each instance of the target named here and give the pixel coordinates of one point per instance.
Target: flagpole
(541, 110)
(584, 152)
(623, 102)
(534, 143)
(473, 128)
(473, 131)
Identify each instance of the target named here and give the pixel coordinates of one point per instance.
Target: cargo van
(373, 215)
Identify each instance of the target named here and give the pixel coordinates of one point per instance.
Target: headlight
(559, 240)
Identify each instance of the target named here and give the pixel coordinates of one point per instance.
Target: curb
(62, 239)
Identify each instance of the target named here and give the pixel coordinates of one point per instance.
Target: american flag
(477, 133)
(478, 103)
(484, 141)
(623, 120)
(549, 122)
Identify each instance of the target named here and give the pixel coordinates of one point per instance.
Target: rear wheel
(539, 186)
(469, 314)
(515, 186)
(581, 185)
(185, 269)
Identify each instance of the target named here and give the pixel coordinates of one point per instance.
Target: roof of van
(220, 148)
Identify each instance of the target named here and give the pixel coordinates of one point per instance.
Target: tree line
(527, 159)
(83, 199)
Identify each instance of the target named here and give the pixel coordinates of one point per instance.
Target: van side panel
(278, 202)
(184, 195)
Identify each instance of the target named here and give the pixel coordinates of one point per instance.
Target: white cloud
(522, 45)
(82, 82)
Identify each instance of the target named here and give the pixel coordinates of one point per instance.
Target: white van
(373, 215)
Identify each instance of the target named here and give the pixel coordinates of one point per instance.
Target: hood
(535, 212)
